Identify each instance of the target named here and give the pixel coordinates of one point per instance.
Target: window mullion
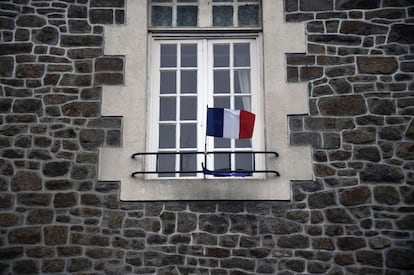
(204, 14)
(178, 109)
(232, 103)
(174, 13)
(236, 15)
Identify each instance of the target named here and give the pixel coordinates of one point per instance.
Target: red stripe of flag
(246, 124)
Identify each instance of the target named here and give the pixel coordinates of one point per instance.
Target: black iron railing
(206, 171)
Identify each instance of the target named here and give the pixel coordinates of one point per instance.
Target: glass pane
(167, 82)
(242, 103)
(222, 16)
(161, 16)
(222, 162)
(188, 82)
(248, 0)
(222, 102)
(244, 162)
(249, 15)
(187, 1)
(188, 108)
(222, 81)
(168, 55)
(188, 136)
(242, 81)
(167, 108)
(166, 163)
(221, 142)
(222, 0)
(161, 1)
(221, 55)
(242, 55)
(187, 15)
(166, 136)
(188, 162)
(189, 55)
(244, 143)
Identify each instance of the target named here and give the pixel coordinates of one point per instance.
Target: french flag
(228, 123)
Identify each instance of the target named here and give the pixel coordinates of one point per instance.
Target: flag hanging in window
(228, 123)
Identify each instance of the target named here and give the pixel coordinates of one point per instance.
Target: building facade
(66, 69)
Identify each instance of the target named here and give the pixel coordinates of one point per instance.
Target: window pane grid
(238, 97)
(177, 108)
(187, 13)
(173, 13)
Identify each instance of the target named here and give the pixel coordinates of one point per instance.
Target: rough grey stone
(278, 226)
(377, 65)
(350, 243)
(30, 70)
(340, 85)
(338, 215)
(381, 173)
(354, 196)
(342, 105)
(26, 235)
(55, 235)
(322, 199)
(386, 195)
(28, 266)
(79, 26)
(333, 39)
(34, 199)
(53, 265)
(56, 168)
(318, 267)
(216, 224)
(26, 181)
(79, 264)
(81, 40)
(91, 139)
(357, 4)
(362, 28)
(160, 259)
(101, 16)
(368, 153)
(241, 263)
(246, 224)
(309, 5)
(400, 258)
(382, 106)
(30, 21)
(40, 216)
(294, 241)
(6, 68)
(406, 223)
(47, 35)
(81, 80)
(406, 151)
(400, 33)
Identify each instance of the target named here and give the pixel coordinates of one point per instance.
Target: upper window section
(205, 13)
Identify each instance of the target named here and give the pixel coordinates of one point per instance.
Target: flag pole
(205, 145)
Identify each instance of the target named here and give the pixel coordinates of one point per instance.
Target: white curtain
(244, 83)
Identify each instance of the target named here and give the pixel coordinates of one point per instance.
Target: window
(203, 13)
(188, 76)
(272, 100)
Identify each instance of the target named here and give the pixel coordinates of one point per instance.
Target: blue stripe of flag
(215, 118)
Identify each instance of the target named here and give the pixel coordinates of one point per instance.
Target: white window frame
(204, 99)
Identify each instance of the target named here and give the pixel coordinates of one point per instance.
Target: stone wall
(355, 218)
